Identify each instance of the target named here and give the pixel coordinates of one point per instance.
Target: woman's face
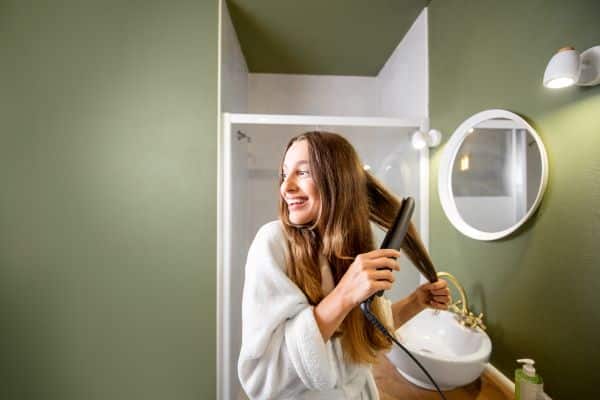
(298, 189)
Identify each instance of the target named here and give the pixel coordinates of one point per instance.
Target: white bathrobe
(283, 355)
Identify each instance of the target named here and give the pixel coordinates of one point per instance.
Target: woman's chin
(299, 219)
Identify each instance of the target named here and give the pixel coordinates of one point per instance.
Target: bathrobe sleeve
(283, 352)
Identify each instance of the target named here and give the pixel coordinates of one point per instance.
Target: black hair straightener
(393, 240)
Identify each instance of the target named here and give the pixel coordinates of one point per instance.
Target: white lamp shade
(563, 69)
(418, 140)
(435, 137)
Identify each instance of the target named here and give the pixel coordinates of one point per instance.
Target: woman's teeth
(297, 202)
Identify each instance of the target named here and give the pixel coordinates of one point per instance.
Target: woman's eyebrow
(301, 162)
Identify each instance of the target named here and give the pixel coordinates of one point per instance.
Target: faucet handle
(479, 322)
(474, 322)
(455, 307)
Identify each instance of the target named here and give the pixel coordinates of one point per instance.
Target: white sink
(452, 354)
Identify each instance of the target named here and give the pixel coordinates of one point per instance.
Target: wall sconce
(567, 67)
(426, 137)
(422, 138)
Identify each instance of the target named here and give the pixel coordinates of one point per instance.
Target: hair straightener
(393, 240)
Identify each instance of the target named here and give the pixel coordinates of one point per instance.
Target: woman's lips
(297, 205)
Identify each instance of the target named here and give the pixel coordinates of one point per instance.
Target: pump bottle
(528, 384)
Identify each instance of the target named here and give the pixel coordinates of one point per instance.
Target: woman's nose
(288, 184)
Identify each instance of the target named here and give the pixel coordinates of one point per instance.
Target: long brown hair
(350, 198)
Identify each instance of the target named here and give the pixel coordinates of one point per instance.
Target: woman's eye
(300, 173)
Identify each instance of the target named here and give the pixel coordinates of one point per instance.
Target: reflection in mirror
(496, 175)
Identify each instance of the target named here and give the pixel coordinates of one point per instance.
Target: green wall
(314, 37)
(540, 287)
(108, 138)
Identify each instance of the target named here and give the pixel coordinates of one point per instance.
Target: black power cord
(366, 309)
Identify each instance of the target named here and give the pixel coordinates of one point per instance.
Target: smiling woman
(251, 195)
(303, 334)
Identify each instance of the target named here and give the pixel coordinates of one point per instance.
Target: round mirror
(493, 173)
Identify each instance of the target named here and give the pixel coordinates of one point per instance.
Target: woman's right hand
(365, 277)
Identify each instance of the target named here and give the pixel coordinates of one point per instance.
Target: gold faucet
(465, 316)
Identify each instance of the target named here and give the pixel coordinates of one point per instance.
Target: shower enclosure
(250, 150)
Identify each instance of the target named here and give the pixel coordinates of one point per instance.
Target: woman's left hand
(433, 295)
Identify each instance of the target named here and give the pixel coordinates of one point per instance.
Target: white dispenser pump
(528, 368)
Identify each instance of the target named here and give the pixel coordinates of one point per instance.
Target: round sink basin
(452, 354)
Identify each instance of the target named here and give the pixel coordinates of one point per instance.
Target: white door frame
(224, 204)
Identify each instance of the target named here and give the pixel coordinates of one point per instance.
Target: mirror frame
(445, 174)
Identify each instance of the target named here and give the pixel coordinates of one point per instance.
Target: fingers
(382, 253)
(383, 262)
(438, 306)
(441, 299)
(376, 286)
(437, 285)
(382, 274)
(439, 288)
(370, 273)
(438, 294)
(381, 258)
(442, 293)
(439, 302)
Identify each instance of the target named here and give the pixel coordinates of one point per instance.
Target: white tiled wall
(403, 82)
(312, 95)
(233, 98)
(234, 71)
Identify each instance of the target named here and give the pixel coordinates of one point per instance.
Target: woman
(304, 336)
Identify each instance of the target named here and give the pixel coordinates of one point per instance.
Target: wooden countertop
(394, 386)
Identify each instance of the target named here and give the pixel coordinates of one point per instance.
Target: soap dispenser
(528, 384)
